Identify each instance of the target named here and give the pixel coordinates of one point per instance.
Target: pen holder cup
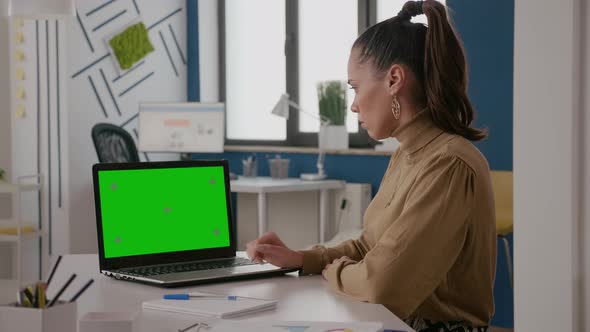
(250, 168)
(60, 317)
(279, 168)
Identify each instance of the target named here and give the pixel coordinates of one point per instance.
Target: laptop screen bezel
(168, 257)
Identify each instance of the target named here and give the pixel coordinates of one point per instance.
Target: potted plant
(332, 108)
(2, 172)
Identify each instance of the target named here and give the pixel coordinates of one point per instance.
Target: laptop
(169, 224)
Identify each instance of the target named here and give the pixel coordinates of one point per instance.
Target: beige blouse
(428, 247)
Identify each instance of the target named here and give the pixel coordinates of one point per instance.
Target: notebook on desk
(169, 224)
(216, 306)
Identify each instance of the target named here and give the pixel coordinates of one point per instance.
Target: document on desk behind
(220, 307)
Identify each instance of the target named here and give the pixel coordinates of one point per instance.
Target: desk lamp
(282, 109)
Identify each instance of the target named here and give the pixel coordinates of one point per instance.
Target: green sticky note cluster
(131, 45)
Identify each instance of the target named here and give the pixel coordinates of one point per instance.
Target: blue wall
(192, 42)
(487, 29)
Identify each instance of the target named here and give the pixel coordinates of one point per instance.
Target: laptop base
(190, 282)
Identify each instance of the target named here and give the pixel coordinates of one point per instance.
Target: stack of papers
(214, 306)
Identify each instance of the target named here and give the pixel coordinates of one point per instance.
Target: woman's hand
(336, 261)
(271, 249)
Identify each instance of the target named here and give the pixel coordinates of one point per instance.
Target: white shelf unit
(29, 183)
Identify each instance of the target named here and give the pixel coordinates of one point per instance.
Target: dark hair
(434, 54)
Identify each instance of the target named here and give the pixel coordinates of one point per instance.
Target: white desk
(299, 298)
(265, 185)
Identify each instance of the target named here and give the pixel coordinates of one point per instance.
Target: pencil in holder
(250, 167)
(62, 316)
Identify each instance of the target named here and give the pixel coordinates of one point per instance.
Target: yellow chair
(502, 184)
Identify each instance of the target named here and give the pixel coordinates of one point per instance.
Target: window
(255, 70)
(290, 48)
(327, 30)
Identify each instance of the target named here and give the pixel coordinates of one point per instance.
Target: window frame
(367, 14)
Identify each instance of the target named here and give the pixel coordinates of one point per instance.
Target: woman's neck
(408, 111)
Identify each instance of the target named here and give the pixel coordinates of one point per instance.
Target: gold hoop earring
(396, 108)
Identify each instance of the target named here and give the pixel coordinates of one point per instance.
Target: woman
(428, 247)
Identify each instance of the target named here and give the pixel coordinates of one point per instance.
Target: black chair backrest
(113, 144)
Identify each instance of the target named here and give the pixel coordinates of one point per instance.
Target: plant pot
(333, 138)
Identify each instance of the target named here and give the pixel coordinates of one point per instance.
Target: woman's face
(372, 99)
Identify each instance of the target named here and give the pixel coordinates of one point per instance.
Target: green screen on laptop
(150, 211)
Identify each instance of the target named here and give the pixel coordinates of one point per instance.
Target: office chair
(113, 144)
(502, 183)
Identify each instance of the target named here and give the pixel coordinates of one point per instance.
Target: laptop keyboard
(186, 267)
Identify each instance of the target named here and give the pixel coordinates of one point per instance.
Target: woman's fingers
(271, 254)
(270, 248)
(268, 238)
(279, 255)
(252, 253)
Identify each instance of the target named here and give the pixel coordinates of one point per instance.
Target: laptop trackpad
(216, 273)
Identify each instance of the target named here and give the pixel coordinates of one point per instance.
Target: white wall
(209, 50)
(38, 121)
(5, 137)
(585, 147)
(54, 135)
(5, 134)
(546, 165)
(165, 84)
(24, 149)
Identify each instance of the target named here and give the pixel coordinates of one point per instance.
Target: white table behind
(263, 185)
(305, 298)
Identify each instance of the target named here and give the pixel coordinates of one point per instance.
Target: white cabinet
(16, 230)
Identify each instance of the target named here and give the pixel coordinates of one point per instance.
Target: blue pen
(189, 296)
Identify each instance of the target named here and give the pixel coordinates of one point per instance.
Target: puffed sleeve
(415, 253)
(318, 257)
(315, 259)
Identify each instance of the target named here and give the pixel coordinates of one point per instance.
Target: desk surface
(299, 298)
(264, 184)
